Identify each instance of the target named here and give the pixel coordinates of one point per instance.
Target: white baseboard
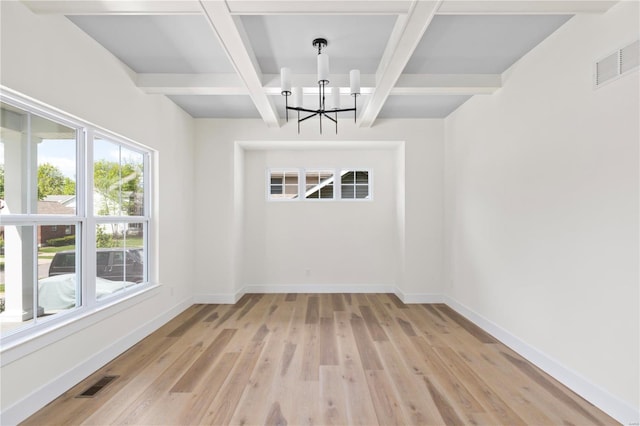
(410, 298)
(48, 392)
(218, 298)
(610, 404)
(231, 298)
(319, 288)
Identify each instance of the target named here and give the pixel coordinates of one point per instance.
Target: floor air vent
(617, 64)
(97, 387)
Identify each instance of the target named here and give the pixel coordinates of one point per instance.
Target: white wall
(337, 244)
(236, 238)
(542, 206)
(49, 59)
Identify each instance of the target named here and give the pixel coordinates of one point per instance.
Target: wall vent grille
(97, 387)
(617, 64)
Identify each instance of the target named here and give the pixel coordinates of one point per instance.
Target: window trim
(85, 221)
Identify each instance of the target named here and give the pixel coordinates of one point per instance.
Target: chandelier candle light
(323, 81)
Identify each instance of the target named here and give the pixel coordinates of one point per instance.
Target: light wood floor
(321, 359)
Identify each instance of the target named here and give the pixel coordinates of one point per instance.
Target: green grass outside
(56, 249)
(131, 242)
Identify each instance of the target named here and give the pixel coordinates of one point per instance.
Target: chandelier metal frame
(322, 111)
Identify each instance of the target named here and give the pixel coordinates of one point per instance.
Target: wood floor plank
(196, 372)
(197, 317)
(310, 359)
(138, 406)
(224, 405)
(347, 298)
(445, 408)
(313, 310)
(370, 320)
(328, 342)
(506, 386)
(337, 302)
(360, 406)
(208, 389)
(552, 388)
(385, 401)
(275, 417)
(368, 354)
(310, 354)
(74, 410)
(419, 408)
(381, 311)
(291, 297)
(471, 328)
(287, 355)
(332, 396)
(481, 391)
(255, 402)
(144, 370)
(451, 385)
(326, 308)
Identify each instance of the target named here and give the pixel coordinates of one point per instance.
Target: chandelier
(323, 80)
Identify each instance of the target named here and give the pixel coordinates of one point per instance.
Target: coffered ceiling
(221, 59)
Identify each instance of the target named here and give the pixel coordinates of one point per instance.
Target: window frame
(318, 170)
(285, 170)
(344, 170)
(302, 184)
(85, 221)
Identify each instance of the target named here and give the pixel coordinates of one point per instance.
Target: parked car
(114, 264)
(58, 293)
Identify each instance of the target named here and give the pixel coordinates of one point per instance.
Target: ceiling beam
(310, 7)
(231, 84)
(523, 7)
(324, 7)
(115, 7)
(404, 39)
(233, 40)
(235, 7)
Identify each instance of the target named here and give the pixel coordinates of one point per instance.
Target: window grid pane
(118, 180)
(120, 257)
(355, 185)
(319, 184)
(283, 184)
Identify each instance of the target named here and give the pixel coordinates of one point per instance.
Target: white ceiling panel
(159, 44)
(479, 44)
(430, 106)
(355, 42)
(202, 106)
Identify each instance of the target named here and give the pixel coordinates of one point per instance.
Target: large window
(74, 217)
(319, 184)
